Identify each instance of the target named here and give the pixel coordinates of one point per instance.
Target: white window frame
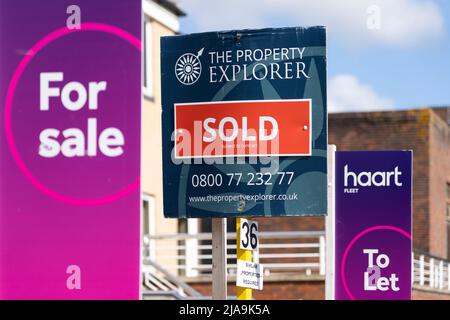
(151, 205)
(162, 15)
(192, 250)
(147, 58)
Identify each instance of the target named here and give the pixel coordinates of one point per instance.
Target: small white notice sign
(249, 275)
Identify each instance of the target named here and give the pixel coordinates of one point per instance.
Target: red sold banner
(243, 128)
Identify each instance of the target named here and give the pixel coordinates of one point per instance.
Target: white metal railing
(298, 252)
(159, 283)
(281, 253)
(431, 272)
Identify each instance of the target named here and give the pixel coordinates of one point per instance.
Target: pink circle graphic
(100, 27)
(351, 244)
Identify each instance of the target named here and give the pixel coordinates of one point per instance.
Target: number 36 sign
(249, 234)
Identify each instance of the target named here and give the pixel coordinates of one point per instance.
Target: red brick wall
(305, 290)
(294, 290)
(426, 295)
(291, 224)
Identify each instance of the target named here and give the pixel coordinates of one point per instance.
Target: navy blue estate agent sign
(244, 123)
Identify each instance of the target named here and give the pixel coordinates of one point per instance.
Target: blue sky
(382, 54)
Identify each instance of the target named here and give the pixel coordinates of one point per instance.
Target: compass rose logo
(189, 68)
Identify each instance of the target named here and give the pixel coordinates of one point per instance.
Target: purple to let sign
(373, 225)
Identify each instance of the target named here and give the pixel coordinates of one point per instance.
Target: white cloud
(346, 93)
(403, 23)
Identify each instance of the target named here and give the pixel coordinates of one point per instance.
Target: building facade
(426, 132)
(291, 248)
(160, 18)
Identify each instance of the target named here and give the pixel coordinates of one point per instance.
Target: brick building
(425, 131)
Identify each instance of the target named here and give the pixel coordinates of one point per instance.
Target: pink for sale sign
(70, 96)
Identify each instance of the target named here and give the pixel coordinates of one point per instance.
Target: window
(148, 225)
(191, 250)
(197, 250)
(206, 227)
(147, 64)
